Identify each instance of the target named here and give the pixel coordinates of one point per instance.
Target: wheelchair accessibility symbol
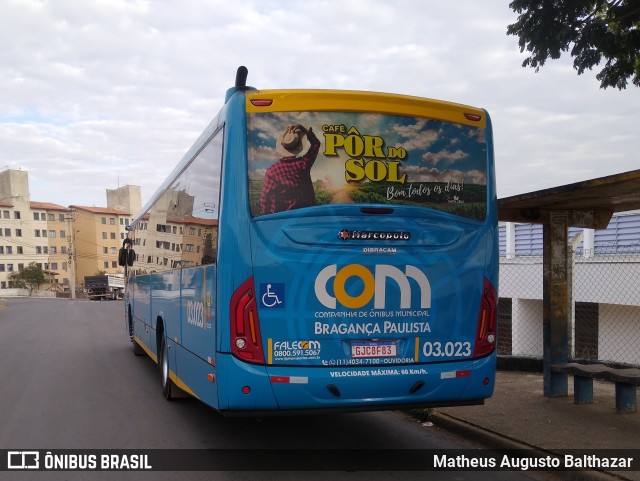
(272, 295)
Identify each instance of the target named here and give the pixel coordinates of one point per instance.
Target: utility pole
(72, 274)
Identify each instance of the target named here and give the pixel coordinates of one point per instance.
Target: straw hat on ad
(292, 141)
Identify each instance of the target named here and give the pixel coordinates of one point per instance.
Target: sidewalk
(519, 415)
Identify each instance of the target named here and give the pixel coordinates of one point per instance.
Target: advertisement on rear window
(304, 159)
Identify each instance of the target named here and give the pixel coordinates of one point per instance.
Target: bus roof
(362, 101)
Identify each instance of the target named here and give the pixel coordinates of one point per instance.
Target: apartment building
(61, 240)
(97, 236)
(98, 232)
(31, 232)
(51, 224)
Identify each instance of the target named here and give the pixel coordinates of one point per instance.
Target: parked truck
(108, 286)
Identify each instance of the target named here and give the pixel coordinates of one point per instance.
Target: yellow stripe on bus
(359, 101)
(149, 352)
(180, 383)
(172, 375)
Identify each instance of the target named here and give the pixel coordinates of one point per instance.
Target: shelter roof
(589, 203)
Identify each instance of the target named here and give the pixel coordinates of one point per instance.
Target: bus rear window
(305, 159)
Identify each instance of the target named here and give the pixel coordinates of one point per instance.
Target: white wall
(619, 334)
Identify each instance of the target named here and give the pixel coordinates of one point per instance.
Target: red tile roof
(99, 210)
(47, 206)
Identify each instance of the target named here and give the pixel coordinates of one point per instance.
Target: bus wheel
(167, 384)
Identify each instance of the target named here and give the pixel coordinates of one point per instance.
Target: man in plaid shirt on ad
(287, 183)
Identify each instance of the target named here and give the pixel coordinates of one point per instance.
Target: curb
(494, 440)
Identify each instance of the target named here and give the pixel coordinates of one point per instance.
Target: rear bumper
(250, 389)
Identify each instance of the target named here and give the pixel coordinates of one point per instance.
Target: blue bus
(319, 251)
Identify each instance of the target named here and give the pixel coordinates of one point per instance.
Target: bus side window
(180, 229)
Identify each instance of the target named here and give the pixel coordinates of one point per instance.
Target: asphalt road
(69, 380)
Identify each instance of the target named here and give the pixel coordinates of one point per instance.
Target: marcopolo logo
(345, 234)
(373, 285)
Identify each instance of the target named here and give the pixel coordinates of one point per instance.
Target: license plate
(360, 349)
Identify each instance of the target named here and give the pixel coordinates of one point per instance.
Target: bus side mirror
(126, 257)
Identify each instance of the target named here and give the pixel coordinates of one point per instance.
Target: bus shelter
(588, 204)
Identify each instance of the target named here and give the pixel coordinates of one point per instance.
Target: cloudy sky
(102, 93)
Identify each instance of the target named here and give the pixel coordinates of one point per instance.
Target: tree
(594, 30)
(31, 276)
(16, 282)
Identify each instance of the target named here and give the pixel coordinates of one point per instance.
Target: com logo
(374, 285)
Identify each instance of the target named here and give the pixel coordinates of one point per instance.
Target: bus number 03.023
(448, 349)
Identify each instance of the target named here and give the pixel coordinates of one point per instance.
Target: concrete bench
(626, 381)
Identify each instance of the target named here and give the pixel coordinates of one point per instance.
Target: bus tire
(167, 383)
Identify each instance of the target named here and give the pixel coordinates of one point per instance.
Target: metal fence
(604, 305)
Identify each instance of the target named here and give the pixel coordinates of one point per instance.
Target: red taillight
(261, 102)
(473, 117)
(246, 342)
(486, 332)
